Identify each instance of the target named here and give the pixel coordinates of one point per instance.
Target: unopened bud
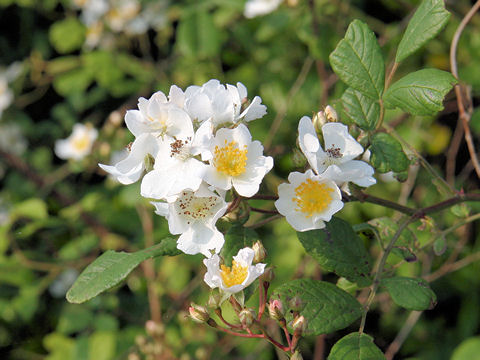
(275, 309)
(104, 149)
(292, 3)
(296, 304)
(319, 119)
(268, 275)
(247, 317)
(133, 356)
(299, 324)
(260, 252)
(296, 356)
(198, 313)
(331, 114)
(115, 118)
(140, 341)
(153, 329)
(215, 299)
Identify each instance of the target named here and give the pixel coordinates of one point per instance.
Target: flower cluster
(115, 16)
(191, 147)
(311, 198)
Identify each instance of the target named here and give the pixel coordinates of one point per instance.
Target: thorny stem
(464, 116)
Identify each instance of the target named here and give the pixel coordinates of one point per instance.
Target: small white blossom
(193, 215)
(255, 8)
(78, 144)
(7, 76)
(161, 116)
(221, 104)
(12, 139)
(336, 162)
(130, 168)
(175, 167)
(308, 200)
(237, 161)
(235, 278)
(121, 12)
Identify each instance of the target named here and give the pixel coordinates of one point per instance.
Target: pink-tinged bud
(331, 114)
(247, 317)
(275, 309)
(299, 325)
(319, 120)
(153, 329)
(296, 304)
(260, 252)
(198, 313)
(296, 356)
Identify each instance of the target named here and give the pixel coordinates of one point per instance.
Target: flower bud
(319, 120)
(296, 304)
(198, 313)
(260, 252)
(247, 317)
(133, 356)
(140, 341)
(296, 356)
(275, 309)
(153, 329)
(331, 114)
(268, 275)
(299, 324)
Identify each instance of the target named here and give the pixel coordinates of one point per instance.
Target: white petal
(336, 135)
(307, 137)
(255, 110)
(161, 208)
(136, 122)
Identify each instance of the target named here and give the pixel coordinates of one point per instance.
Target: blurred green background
(72, 65)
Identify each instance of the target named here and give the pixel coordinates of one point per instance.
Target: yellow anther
(234, 275)
(229, 159)
(312, 197)
(81, 143)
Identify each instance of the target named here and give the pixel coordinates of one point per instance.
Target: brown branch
(464, 115)
(403, 334)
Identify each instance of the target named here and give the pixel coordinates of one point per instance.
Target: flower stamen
(312, 197)
(229, 159)
(234, 275)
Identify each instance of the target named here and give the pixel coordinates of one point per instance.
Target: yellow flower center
(229, 159)
(312, 197)
(234, 275)
(81, 143)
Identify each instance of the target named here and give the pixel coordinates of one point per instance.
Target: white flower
(237, 161)
(235, 278)
(175, 167)
(161, 116)
(221, 104)
(193, 215)
(255, 8)
(78, 144)
(121, 13)
(308, 201)
(336, 162)
(130, 168)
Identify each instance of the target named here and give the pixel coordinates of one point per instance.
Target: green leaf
(327, 308)
(338, 248)
(420, 92)
(410, 293)
(32, 208)
(469, 349)
(387, 154)
(427, 22)
(355, 346)
(67, 35)
(198, 36)
(71, 82)
(101, 345)
(112, 267)
(358, 61)
(360, 109)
